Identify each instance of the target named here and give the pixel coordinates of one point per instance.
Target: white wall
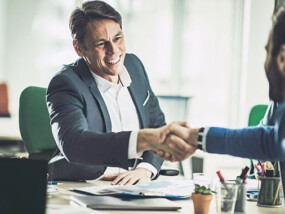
(254, 85)
(34, 44)
(247, 83)
(2, 38)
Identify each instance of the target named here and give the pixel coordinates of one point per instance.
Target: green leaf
(202, 190)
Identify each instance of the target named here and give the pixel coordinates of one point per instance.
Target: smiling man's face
(104, 49)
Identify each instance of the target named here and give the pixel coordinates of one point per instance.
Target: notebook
(22, 186)
(124, 203)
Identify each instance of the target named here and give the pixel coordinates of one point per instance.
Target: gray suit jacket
(82, 127)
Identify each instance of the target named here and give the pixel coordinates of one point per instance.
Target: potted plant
(201, 199)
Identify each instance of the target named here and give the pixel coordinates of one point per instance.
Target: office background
(211, 50)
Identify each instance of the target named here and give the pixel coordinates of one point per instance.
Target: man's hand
(172, 142)
(151, 139)
(182, 130)
(137, 176)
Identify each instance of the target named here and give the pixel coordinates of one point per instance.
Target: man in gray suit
(101, 105)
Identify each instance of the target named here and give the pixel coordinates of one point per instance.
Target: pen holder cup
(241, 198)
(226, 197)
(270, 192)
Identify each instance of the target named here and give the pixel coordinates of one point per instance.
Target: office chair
(256, 113)
(35, 124)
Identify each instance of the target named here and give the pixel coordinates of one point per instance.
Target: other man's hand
(136, 176)
(183, 131)
(172, 140)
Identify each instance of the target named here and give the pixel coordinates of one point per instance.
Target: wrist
(193, 140)
(142, 141)
(146, 172)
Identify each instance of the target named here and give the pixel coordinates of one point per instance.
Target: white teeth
(112, 61)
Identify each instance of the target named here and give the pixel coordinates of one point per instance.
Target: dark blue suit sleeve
(258, 142)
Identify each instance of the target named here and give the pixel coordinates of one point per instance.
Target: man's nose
(112, 48)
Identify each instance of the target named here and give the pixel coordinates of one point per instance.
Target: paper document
(168, 189)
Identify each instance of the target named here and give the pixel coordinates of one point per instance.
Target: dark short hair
(276, 40)
(278, 29)
(87, 12)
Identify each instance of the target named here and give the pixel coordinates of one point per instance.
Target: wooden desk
(62, 197)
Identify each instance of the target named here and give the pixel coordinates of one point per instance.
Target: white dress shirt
(123, 115)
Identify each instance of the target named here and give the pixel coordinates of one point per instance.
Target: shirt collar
(105, 85)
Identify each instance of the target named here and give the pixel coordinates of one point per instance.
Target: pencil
(276, 194)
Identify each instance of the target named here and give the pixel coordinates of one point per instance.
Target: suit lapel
(88, 79)
(139, 106)
(136, 95)
(96, 93)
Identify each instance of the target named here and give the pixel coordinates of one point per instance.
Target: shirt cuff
(204, 139)
(132, 152)
(149, 167)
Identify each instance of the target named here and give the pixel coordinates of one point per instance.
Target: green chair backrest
(35, 123)
(256, 113)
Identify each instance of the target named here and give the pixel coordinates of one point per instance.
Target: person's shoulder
(71, 67)
(132, 62)
(281, 110)
(69, 74)
(280, 118)
(132, 58)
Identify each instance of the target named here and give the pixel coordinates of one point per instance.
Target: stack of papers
(167, 189)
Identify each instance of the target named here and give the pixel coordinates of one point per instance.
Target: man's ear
(281, 60)
(77, 49)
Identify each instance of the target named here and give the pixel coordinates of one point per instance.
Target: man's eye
(118, 38)
(100, 44)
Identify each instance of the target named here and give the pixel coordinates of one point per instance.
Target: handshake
(173, 142)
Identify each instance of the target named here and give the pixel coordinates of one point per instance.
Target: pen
(220, 176)
(276, 193)
(240, 179)
(256, 167)
(262, 168)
